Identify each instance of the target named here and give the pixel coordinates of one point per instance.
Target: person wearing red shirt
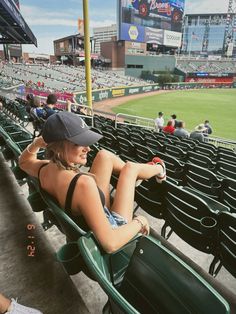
(169, 128)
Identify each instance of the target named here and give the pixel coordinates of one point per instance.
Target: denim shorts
(115, 219)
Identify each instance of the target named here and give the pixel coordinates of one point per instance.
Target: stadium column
(87, 53)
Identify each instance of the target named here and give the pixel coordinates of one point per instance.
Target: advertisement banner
(132, 33)
(60, 96)
(158, 14)
(99, 95)
(222, 80)
(154, 36)
(172, 39)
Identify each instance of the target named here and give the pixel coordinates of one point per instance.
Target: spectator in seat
(12, 307)
(180, 130)
(159, 122)
(197, 134)
(30, 102)
(67, 139)
(169, 128)
(176, 122)
(37, 109)
(208, 128)
(50, 108)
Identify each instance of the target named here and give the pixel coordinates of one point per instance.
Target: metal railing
(126, 119)
(217, 141)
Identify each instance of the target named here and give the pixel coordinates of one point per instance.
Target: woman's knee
(129, 168)
(103, 155)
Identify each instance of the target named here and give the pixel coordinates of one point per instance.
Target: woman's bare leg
(4, 304)
(124, 197)
(104, 164)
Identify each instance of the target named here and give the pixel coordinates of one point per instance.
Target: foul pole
(87, 53)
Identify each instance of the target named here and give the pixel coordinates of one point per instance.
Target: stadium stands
(181, 203)
(190, 66)
(58, 78)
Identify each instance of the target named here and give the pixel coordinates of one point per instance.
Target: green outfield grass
(194, 107)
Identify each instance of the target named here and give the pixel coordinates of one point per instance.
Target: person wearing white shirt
(159, 122)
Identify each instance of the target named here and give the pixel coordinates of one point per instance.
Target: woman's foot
(162, 175)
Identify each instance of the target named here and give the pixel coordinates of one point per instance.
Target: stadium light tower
(230, 29)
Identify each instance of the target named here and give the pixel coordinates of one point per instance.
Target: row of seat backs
(16, 111)
(142, 135)
(139, 152)
(153, 279)
(198, 220)
(150, 189)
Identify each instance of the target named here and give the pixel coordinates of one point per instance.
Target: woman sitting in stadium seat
(169, 128)
(67, 139)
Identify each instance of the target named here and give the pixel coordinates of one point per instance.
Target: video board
(151, 21)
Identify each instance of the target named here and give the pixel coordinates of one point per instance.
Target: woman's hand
(39, 142)
(144, 223)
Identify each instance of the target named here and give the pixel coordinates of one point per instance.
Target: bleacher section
(54, 78)
(190, 66)
(197, 202)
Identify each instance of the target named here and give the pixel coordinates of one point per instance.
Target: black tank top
(70, 191)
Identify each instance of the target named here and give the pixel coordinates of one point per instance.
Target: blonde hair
(57, 153)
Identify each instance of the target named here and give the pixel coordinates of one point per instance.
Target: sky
(53, 19)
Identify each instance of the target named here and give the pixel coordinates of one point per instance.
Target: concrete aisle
(28, 267)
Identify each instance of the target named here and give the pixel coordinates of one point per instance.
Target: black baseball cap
(69, 126)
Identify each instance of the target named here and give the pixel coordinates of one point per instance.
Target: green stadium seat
(154, 144)
(227, 158)
(201, 160)
(175, 151)
(228, 196)
(126, 148)
(226, 253)
(205, 151)
(225, 170)
(203, 180)
(146, 277)
(108, 142)
(135, 137)
(190, 217)
(150, 197)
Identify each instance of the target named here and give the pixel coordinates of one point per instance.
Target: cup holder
(208, 226)
(215, 186)
(70, 257)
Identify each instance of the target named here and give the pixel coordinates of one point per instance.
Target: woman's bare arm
(28, 160)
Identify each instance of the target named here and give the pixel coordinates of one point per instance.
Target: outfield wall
(107, 93)
(134, 65)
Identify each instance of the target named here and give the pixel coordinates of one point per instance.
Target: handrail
(217, 141)
(127, 119)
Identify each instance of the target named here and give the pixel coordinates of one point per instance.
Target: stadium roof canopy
(13, 28)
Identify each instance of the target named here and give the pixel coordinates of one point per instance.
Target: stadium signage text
(160, 7)
(103, 95)
(133, 90)
(133, 32)
(147, 88)
(118, 92)
(172, 39)
(98, 95)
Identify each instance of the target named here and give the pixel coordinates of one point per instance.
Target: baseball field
(192, 106)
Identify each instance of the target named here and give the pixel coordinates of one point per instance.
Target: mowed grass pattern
(194, 107)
